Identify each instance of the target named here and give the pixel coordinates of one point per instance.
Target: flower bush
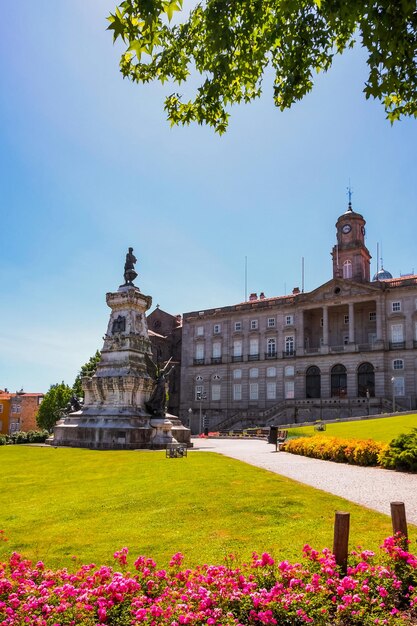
(354, 451)
(314, 591)
(401, 453)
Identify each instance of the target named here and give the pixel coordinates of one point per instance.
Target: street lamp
(393, 394)
(201, 395)
(190, 414)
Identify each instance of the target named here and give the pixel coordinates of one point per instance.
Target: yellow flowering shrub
(354, 451)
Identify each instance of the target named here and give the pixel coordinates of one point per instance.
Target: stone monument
(125, 400)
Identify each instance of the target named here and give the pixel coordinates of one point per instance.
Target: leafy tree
(54, 401)
(230, 43)
(87, 369)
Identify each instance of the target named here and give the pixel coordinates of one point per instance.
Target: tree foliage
(52, 405)
(87, 369)
(230, 43)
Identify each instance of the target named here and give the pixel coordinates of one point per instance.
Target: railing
(396, 345)
(237, 359)
(336, 348)
(216, 359)
(253, 357)
(198, 361)
(271, 355)
(288, 354)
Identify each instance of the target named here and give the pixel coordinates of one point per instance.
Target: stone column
(325, 329)
(351, 323)
(300, 334)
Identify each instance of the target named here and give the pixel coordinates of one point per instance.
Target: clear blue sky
(89, 166)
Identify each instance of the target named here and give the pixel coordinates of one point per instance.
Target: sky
(89, 166)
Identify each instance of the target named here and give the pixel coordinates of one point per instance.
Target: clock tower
(351, 258)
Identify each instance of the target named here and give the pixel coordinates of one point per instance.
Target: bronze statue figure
(130, 273)
(156, 405)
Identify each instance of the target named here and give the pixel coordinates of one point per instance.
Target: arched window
(339, 381)
(313, 382)
(366, 380)
(347, 269)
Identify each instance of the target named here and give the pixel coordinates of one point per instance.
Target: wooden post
(341, 539)
(399, 520)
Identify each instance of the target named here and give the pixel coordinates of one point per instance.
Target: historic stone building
(348, 347)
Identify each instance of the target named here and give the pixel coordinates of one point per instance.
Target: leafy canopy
(230, 43)
(87, 369)
(54, 402)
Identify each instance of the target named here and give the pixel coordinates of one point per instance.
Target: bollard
(399, 520)
(341, 539)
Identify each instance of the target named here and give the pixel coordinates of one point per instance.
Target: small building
(347, 348)
(18, 411)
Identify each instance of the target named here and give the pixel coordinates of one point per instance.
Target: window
(199, 392)
(254, 347)
(217, 350)
(289, 389)
(200, 331)
(395, 307)
(289, 320)
(271, 347)
(253, 372)
(398, 364)
(215, 392)
(237, 348)
(199, 351)
(1, 408)
(347, 269)
(238, 326)
(237, 391)
(289, 344)
(217, 329)
(397, 333)
(16, 408)
(271, 322)
(345, 340)
(271, 391)
(253, 391)
(271, 371)
(253, 324)
(237, 374)
(415, 331)
(346, 319)
(321, 322)
(289, 370)
(372, 316)
(371, 338)
(398, 386)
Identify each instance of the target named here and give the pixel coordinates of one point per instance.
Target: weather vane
(349, 194)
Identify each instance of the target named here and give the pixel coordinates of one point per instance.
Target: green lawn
(380, 429)
(57, 503)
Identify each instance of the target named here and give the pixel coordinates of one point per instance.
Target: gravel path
(369, 486)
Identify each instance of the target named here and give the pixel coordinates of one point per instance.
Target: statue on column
(130, 273)
(156, 405)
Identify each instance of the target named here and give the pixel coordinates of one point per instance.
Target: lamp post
(393, 394)
(190, 414)
(201, 395)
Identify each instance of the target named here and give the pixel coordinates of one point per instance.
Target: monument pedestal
(114, 415)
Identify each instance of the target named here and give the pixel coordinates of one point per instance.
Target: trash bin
(273, 435)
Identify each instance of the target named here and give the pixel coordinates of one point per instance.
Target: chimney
(262, 296)
(253, 296)
(295, 291)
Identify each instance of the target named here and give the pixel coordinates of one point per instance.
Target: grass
(57, 503)
(380, 429)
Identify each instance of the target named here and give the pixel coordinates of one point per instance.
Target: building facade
(347, 348)
(18, 411)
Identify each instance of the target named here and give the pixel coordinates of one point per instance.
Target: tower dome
(382, 274)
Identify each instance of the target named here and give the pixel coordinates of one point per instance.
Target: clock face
(346, 229)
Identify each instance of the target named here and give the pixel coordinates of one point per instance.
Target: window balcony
(271, 355)
(237, 359)
(288, 354)
(253, 357)
(198, 362)
(396, 345)
(216, 359)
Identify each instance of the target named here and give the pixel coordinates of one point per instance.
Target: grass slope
(57, 503)
(379, 429)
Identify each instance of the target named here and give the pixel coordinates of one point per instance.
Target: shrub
(354, 451)
(401, 453)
